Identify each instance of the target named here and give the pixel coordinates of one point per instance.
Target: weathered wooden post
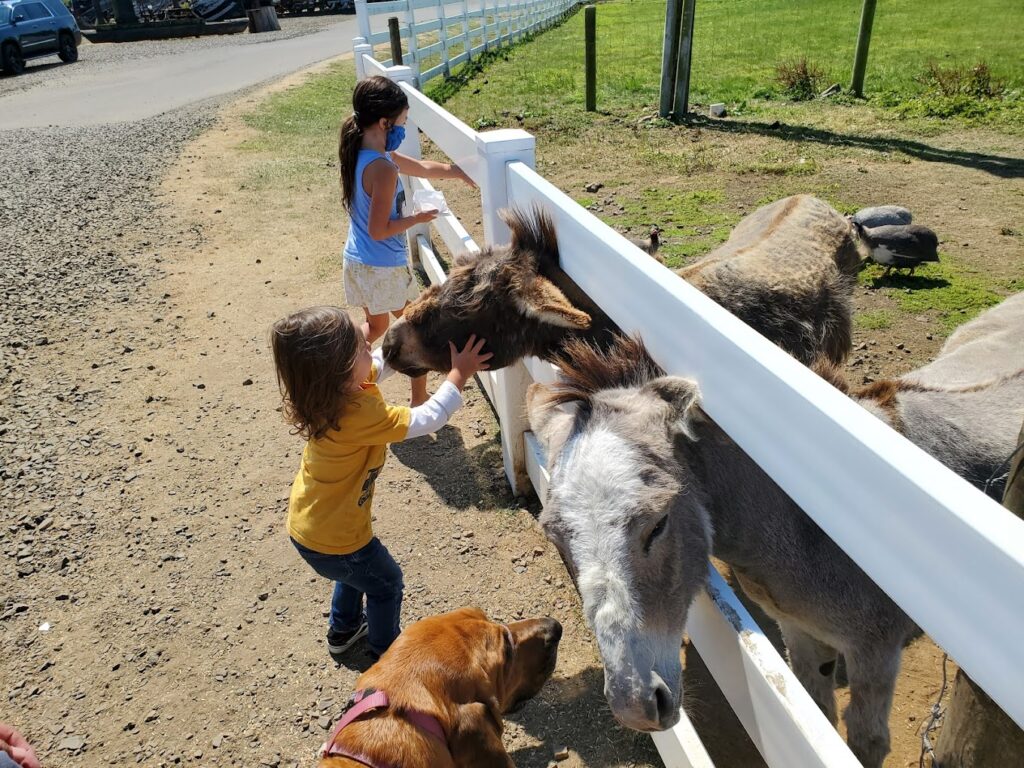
(860, 62)
(976, 732)
(262, 16)
(396, 42)
(681, 100)
(670, 56)
(590, 37)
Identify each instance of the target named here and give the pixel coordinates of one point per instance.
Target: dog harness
(371, 700)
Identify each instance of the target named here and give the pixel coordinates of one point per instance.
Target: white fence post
(360, 48)
(465, 30)
(414, 59)
(497, 149)
(444, 37)
(363, 20)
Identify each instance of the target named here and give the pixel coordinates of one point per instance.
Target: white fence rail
(450, 32)
(949, 556)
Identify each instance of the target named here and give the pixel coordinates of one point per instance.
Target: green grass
(737, 46)
(874, 320)
(948, 289)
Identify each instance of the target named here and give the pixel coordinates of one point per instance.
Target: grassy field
(739, 43)
(697, 182)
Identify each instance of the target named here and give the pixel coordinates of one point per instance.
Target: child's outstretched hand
(468, 361)
(458, 173)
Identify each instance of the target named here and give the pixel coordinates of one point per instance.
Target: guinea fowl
(650, 244)
(900, 246)
(882, 215)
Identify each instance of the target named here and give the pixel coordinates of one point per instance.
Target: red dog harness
(370, 700)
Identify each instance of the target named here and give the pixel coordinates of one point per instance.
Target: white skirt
(379, 289)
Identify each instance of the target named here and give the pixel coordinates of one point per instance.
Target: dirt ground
(193, 634)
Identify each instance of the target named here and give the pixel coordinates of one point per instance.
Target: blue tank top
(360, 247)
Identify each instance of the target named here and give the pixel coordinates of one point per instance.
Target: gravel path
(74, 235)
(50, 71)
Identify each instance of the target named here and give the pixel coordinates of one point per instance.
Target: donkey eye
(655, 533)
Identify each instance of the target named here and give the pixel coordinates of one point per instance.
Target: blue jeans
(369, 571)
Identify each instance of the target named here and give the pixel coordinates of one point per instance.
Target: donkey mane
(534, 244)
(587, 369)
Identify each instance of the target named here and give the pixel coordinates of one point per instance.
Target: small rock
(247, 382)
(562, 753)
(72, 743)
(324, 722)
(594, 187)
(263, 596)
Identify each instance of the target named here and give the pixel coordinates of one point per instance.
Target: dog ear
(475, 741)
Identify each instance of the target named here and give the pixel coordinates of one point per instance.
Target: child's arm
(434, 413)
(381, 180)
(429, 169)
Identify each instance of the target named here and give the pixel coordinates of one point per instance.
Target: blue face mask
(395, 137)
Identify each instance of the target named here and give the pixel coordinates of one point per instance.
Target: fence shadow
(462, 477)
(997, 165)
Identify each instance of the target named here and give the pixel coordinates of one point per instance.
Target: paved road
(131, 88)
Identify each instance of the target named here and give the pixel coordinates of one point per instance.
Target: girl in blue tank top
(376, 265)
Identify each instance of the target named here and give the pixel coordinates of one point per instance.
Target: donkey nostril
(666, 707)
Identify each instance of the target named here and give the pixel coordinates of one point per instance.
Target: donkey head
(501, 295)
(624, 513)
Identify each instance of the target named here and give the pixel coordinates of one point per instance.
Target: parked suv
(33, 28)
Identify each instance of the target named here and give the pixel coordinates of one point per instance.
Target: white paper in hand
(428, 200)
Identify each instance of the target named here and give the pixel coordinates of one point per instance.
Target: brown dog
(439, 693)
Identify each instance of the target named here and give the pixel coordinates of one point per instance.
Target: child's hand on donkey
(468, 361)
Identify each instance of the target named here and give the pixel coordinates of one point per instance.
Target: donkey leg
(814, 664)
(872, 681)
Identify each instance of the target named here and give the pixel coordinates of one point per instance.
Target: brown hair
(314, 354)
(373, 98)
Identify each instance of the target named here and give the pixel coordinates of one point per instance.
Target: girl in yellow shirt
(328, 377)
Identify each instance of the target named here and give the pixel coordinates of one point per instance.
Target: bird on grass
(900, 246)
(882, 215)
(651, 244)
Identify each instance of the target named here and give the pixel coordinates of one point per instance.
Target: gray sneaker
(339, 642)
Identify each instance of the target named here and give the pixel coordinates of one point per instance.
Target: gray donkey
(645, 486)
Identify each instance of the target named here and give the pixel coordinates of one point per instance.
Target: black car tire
(68, 50)
(12, 60)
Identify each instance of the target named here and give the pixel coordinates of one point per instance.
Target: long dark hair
(314, 354)
(373, 98)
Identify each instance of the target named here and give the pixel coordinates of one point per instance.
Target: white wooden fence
(455, 30)
(948, 555)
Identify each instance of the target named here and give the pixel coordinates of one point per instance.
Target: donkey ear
(552, 424)
(682, 399)
(539, 298)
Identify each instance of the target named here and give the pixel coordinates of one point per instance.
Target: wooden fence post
(396, 42)
(681, 98)
(590, 37)
(496, 150)
(860, 61)
(670, 55)
(976, 732)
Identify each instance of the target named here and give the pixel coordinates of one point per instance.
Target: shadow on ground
(997, 165)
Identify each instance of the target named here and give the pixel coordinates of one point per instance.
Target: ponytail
(349, 142)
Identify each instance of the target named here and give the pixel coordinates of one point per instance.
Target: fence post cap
(506, 140)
